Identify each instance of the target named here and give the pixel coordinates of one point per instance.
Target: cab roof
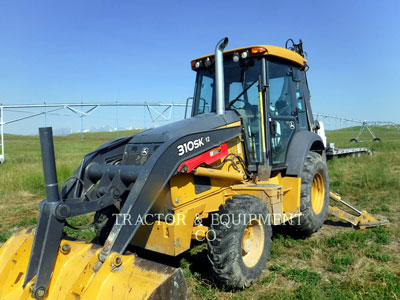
(275, 51)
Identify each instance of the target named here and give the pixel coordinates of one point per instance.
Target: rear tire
(314, 198)
(239, 245)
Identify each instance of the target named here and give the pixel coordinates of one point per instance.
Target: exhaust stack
(219, 75)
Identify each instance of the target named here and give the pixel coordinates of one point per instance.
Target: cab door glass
(280, 96)
(300, 92)
(242, 95)
(205, 94)
(282, 109)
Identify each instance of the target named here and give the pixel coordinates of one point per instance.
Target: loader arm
(159, 169)
(98, 184)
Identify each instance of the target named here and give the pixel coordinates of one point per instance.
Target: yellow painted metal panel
(172, 237)
(78, 274)
(270, 50)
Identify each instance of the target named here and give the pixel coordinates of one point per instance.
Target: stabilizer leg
(361, 219)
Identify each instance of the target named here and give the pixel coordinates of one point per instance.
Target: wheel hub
(252, 243)
(317, 193)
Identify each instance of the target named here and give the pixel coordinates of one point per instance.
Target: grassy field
(338, 262)
(21, 176)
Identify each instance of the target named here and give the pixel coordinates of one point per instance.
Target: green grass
(338, 262)
(303, 275)
(4, 236)
(80, 227)
(21, 176)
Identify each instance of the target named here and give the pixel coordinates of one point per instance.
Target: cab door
(282, 110)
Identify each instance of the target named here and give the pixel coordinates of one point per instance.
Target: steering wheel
(237, 100)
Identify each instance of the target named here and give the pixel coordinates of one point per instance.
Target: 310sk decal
(192, 145)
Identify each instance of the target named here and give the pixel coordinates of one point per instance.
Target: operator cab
(262, 83)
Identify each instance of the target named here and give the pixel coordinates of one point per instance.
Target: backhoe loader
(247, 159)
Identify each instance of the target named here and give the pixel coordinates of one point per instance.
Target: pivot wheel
(240, 241)
(314, 198)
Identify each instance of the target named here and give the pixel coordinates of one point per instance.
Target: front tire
(241, 241)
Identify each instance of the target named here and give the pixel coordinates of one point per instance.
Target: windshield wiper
(241, 94)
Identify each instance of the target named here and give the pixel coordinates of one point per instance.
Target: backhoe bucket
(78, 274)
(361, 219)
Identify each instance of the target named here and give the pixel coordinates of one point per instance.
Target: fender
(300, 144)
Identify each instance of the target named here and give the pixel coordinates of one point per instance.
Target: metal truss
(158, 111)
(365, 125)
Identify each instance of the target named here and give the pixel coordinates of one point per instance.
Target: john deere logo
(145, 151)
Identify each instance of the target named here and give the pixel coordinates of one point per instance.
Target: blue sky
(95, 51)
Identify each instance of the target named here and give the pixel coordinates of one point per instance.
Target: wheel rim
(317, 193)
(252, 243)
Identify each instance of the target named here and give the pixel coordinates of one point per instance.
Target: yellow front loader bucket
(78, 274)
